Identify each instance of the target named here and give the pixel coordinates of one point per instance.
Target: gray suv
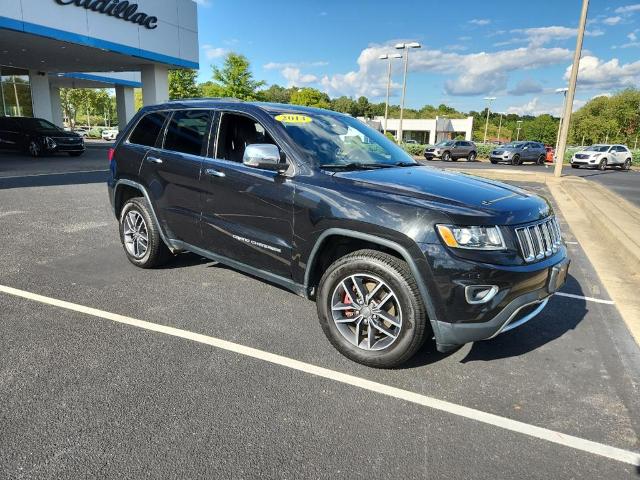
(452, 150)
(516, 153)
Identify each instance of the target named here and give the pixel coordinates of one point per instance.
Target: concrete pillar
(56, 107)
(155, 84)
(469, 132)
(125, 105)
(41, 95)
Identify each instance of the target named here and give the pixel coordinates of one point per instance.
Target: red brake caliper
(347, 301)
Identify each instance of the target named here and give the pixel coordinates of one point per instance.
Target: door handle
(214, 173)
(154, 160)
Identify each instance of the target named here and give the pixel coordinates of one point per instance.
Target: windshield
(445, 144)
(597, 148)
(37, 124)
(337, 140)
(514, 145)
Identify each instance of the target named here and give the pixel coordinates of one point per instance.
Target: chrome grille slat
(539, 240)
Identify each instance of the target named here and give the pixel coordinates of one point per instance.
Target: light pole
(573, 79)
(405, 47)
(386, 105)
(519, 124)
(563, 91)
(486, 127)
(500, 127)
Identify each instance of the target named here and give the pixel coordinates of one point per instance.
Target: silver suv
(452, 150)
(601, 156)
(516, 153)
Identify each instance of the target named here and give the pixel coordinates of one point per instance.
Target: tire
(494, 162)
(34, 149)
(75, 154)
(540, 160)
(575, 166)
(446, 157)
(352, 337)
(626, 166)
(156, 252)
(516, 160)
(471, 157)
(602, 166)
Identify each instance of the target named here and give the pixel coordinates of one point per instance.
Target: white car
(602, 156)
(110, 134)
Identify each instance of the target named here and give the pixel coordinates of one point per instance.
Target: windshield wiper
(354, 166)
(406, 164)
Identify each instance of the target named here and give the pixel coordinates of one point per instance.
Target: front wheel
(446, 156)
(34, 149)
(494, 162)
(575, 166)
(516, 160)
(471, 157)
(602, 166)
(140, 236)
(370, 309)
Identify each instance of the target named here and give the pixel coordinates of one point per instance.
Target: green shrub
(413, 149)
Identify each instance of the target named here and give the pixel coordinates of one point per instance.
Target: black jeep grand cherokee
(394, 253)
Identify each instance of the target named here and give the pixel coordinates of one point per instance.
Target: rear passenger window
(187, 131)
(147, 130)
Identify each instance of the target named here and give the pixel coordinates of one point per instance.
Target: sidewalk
(607, 228)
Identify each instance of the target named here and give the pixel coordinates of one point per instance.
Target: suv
(393, 253)
(452, 150)
(516, 153)
(602, 156)
(37, 136)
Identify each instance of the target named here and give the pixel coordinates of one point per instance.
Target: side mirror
(525, 148)
(264, 156)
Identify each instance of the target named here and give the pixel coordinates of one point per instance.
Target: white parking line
(53, 173)
(588, 299)
(571, 243)
(570, 441)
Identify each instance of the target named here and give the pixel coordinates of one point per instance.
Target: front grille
(67, 140)
(582, 156)
(540, 240)
(429, 149)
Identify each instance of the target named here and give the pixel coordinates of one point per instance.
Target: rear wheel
(370, 309)
(140, 235)
(472, 157)
(626, 165)
(540, 160)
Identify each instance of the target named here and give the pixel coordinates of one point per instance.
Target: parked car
(82, 131)
(411, 142)
(393, 253)
(110, 134)
(37, 136)
(602, 156)
(516, 153)
(551, 151)
(452, 150)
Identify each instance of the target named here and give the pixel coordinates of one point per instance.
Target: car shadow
(53, 179)
(561, 315)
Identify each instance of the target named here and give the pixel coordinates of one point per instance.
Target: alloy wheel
(34, 149)
(627, 164)
(366, 312)
(603, 165)
(136, 235)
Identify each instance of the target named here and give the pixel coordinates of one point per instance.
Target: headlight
(436, 151)
(472, 238)
(49, 142)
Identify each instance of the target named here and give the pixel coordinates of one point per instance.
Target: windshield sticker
(292, 118)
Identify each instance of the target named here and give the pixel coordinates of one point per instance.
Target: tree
(182, 84)
(543, 128)
(310, 97)
(277, 94)
(235, 79)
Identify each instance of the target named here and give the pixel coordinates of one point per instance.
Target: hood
(58, 133)
(464, 198)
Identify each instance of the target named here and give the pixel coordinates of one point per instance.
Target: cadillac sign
(123, 10)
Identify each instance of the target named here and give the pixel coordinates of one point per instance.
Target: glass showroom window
(16, 92)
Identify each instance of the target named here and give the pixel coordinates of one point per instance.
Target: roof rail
(225, 99)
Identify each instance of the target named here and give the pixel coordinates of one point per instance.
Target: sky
(518, 51)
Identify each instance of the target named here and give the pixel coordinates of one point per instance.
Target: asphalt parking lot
(89, 394)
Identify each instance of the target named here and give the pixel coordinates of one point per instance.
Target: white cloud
(612, 20)
(632, 36)
(607, 75)
(204, 3)
(535, 107)
(628, 8)
(480, 21)
(281, 65)
(295, 78)
(541, 35)
(525, 87)
(212, 52)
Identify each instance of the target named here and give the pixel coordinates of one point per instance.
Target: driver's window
(235, 133)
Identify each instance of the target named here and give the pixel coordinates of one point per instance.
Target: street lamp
(519, 124)
(563, 91)
(573, 79)
(486, 127)
(386, 105)
(405, 47)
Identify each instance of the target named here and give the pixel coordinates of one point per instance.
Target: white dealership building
(46, 45)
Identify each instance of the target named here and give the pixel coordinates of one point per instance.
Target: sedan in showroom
(603, 156)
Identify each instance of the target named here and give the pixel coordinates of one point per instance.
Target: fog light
(477, 294)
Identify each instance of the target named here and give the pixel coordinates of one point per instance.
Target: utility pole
(519, 124)
(486, 126)
(564, 101)
(386, 105)
(571, 93)
(405, 47)
(500, 127)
